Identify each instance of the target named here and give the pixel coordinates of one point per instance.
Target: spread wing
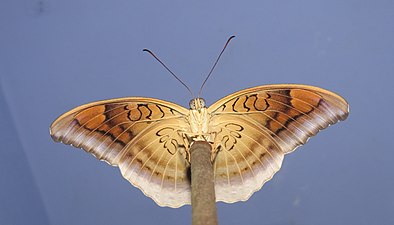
(139, 135)
(256, 127)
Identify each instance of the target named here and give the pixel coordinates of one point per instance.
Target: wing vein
(307, 103)
(94, 117)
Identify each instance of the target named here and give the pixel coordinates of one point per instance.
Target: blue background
(56, 55)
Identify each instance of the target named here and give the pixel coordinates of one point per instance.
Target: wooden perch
(202, 185)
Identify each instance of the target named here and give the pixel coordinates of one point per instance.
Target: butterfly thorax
(199, 120)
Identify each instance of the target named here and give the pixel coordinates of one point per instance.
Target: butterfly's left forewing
(256, 127)
(141, 136)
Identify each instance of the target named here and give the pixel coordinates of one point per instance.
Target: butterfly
(250, 131)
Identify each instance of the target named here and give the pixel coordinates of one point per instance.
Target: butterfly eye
(202, 102)
(192, 104)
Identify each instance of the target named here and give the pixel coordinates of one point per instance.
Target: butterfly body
(199, 119)
(250, 131)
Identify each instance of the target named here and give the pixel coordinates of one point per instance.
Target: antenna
(150, 52)
(214, 65)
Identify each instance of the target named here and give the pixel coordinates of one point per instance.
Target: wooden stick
(202, 182)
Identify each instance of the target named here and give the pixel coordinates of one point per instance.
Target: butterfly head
(197, 103)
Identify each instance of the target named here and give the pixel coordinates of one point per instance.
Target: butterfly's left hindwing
(140, 135)
(256, 127)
